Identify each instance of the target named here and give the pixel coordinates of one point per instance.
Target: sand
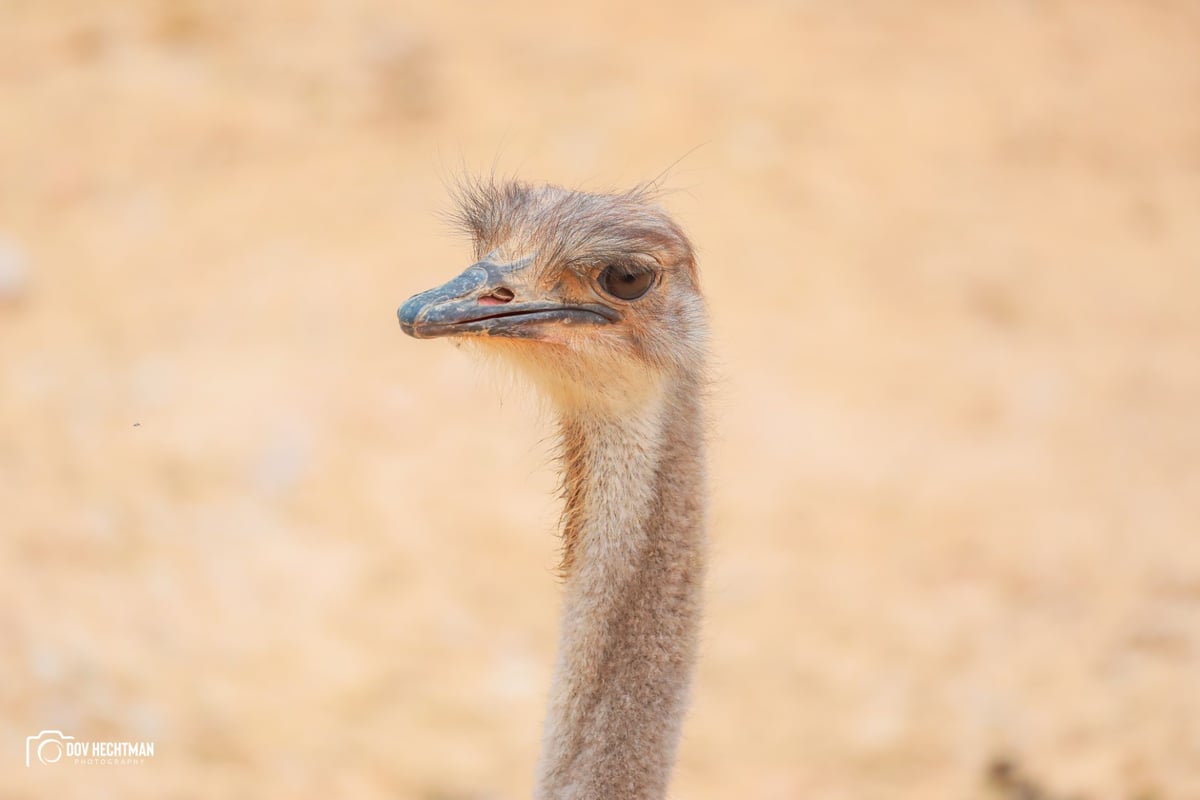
(952, 253)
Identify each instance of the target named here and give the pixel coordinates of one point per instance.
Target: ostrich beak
(486, 300)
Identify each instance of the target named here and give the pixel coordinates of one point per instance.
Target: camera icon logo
(48, 747)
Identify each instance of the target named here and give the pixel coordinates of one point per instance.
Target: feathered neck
(633, 562)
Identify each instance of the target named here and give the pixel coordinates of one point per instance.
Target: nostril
(497, 297)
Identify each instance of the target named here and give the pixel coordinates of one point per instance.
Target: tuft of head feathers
(568, 228)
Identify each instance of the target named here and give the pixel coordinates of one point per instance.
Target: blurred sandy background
(953, 257)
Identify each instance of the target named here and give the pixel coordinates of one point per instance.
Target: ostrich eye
(625, 283)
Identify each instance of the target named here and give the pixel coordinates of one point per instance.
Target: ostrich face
(595, 295)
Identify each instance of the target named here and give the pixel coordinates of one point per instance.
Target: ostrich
(595, 297)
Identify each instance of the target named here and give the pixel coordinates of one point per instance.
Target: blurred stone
(284, 461)
(180, 22)
(515, 676)
(403, 68)
(14, 272)
(45, 666)
(88, 42)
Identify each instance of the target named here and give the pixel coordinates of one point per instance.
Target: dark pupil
(624, 283)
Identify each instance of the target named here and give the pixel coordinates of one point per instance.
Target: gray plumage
(557, 289)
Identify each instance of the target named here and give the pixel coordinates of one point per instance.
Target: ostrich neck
(634, 559)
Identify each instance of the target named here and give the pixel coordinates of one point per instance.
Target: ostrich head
(595, 296)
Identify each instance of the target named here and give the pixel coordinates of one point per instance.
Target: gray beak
(486, 300)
